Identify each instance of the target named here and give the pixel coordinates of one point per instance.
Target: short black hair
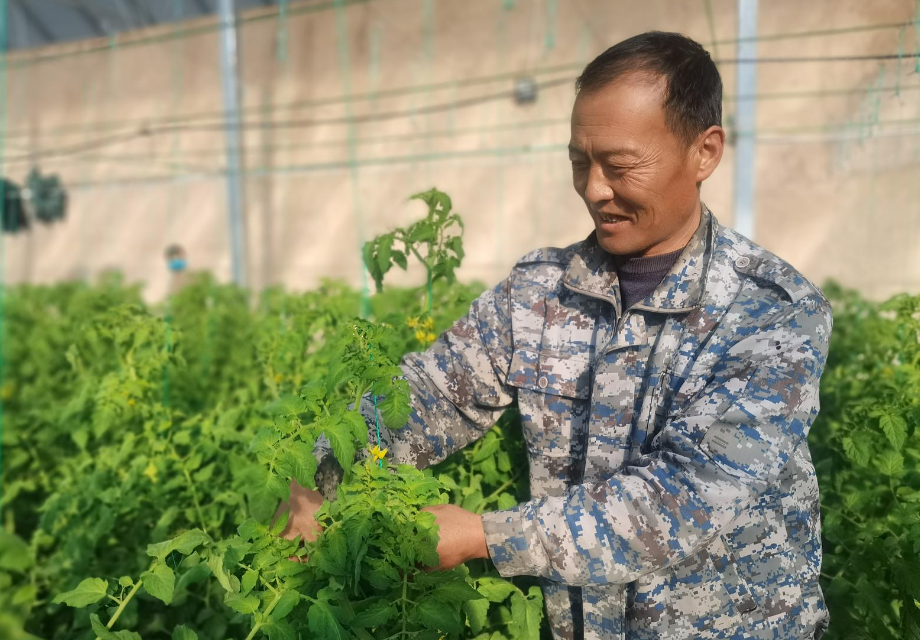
(693, 98)
(174, 251)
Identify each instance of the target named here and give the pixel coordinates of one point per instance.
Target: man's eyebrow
(618, 151)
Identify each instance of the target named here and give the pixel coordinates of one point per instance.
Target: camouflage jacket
(673, 494)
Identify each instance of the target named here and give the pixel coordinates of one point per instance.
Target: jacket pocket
(553, 397)
(735, 584)
(704, 593)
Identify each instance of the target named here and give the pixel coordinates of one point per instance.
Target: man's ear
(708, 151)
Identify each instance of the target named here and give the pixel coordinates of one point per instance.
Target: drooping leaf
(895, 428)
(89, 591)
(102, 633)
(289, 600)
(495, 589)
(437, 616)
(323, 623)
(184, 543)
(375, 615)
(242, 604)
(182, 632)
(160, 582)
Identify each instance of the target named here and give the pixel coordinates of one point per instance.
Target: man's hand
(303, 503)
(461, 536)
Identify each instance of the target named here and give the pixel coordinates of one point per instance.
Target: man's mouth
(610, 218)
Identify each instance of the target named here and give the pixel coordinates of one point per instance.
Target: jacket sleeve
(457, 390)
(707, 465)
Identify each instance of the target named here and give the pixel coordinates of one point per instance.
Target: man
(177, 263)
(666, 370)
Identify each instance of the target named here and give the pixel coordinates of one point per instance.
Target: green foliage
(49, 199)
(436, 241)
(866, 449)
(146, 449)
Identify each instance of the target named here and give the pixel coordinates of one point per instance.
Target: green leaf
(384, 245)
(355, 420)
(323, 623)
(89, 591)
(252, 529)
(495, 589)
(526, 615)
(250, 578)
(394, 408)
(160, 582)
(339, 434)
(279, 630)
(102, 633)
(184, 544)
(477, 614)
(183, 633)
(227, 581)
(895, 428)
(455, 591)
(289, 600)
(280, 523)
(856, 449)
(246, 605)
(400, 258)
(15, 554)
(891, 463)
(375, 615)
(434, 615)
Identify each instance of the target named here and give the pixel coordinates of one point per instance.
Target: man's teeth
(609, 218)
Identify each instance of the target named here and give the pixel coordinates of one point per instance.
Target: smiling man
(666, 370)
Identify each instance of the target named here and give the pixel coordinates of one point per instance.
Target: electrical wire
(103, 142)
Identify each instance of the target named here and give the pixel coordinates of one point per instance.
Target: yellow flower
(131, 402)
(428, 323)
(420, 335)
(412, 323)
(430, 337)
(378, 454)
(278, 377)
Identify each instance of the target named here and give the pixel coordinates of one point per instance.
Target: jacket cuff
(514, 542)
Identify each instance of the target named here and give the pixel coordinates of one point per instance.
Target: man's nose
(598, 189)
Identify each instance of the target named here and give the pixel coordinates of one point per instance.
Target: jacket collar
(591, 271)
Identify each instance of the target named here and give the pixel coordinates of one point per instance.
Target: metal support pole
(229, 71)
(745, 120)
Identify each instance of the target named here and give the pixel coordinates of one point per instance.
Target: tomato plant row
(145, 450)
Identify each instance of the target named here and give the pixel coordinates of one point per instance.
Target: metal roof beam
(141, 10)
(90, 18)
(37, 23)
(202, 6)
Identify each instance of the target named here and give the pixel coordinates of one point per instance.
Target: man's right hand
(303, 504)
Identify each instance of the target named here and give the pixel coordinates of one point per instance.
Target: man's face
(637, 179)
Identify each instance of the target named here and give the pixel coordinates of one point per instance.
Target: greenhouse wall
(350, 108)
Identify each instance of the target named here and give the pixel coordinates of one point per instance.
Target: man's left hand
(461, 535)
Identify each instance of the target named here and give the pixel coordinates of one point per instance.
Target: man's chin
(619, 244)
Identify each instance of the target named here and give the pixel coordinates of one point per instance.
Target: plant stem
(191, 485)
(271, 606)
(121, 607)
(495, 493)
(405, 586)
